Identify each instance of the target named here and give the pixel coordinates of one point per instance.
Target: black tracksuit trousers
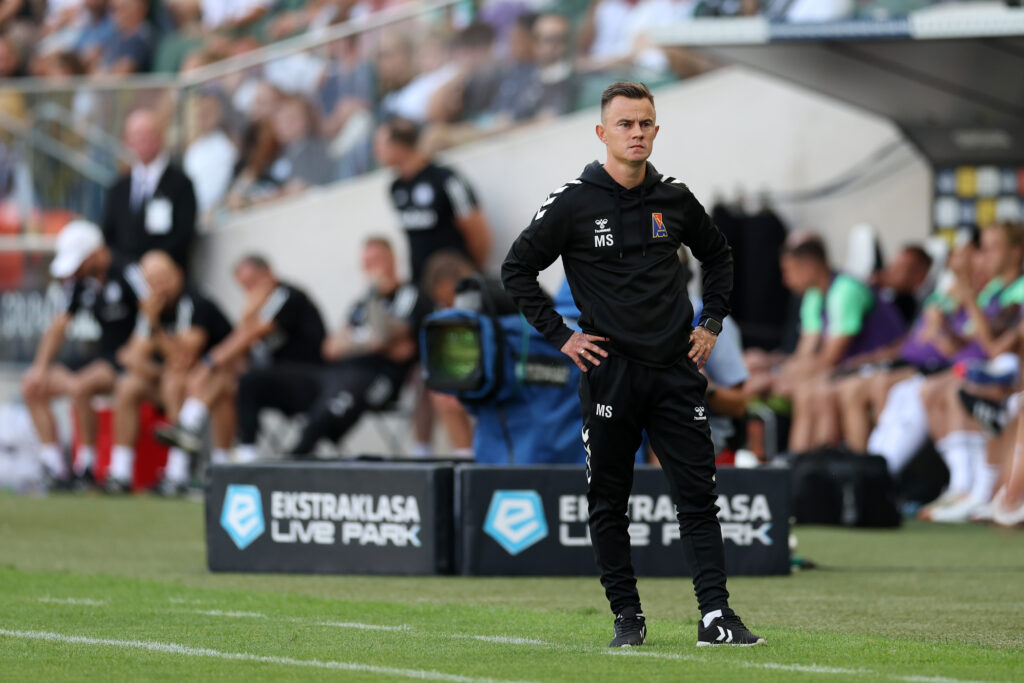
(620, 400)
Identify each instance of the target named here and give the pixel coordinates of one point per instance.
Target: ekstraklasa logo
(242, 514)
(515, 519)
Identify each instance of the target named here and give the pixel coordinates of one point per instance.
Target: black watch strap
(711, 325)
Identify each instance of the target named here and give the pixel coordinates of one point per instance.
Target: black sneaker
(171, 489)
(176, 435)
(991, 415)
(116, 487)
(630, 629)
(86, 481)
(726, 630)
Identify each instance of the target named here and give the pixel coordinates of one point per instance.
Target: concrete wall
(726, 130)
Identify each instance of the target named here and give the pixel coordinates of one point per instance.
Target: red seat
(150, 455)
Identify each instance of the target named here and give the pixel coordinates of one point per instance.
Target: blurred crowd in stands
(250, 134)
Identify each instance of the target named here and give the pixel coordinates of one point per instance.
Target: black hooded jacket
(618, 248)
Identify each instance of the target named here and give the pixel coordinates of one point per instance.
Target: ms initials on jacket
(619, 247)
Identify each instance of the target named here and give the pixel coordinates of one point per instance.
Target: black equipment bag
(832, 486)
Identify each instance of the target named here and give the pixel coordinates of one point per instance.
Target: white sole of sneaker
(761, 641)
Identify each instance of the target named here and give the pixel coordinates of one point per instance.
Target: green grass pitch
(94, 588)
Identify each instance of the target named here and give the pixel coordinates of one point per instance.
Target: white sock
(955, 449)
(193, 414)
(177, 466)
(421, 450)
(85, 458)
(985, 477)
(220, 456)
(711, 616)
(53, 460)
(122, 463)
(466, 453)
(902, 426)
(246, 452)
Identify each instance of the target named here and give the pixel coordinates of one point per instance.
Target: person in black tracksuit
(617, 228)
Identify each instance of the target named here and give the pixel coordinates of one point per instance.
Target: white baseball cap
(77, 241)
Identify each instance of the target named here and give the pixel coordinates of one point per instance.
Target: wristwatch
(711, 325)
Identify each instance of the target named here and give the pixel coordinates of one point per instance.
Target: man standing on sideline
(438, 211)
(617, 229)
(153, 206)
(437, 208)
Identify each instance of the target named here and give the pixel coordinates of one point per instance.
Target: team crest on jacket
(658, 226)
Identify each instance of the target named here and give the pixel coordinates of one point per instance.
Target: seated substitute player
(110, 290)
(840, 318)
(280, 332)
(369, 358)
(176, 326)
(618, 228)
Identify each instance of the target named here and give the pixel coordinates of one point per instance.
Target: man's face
(378, 264)
(127, 14)
(252, 279)
(906, 273)
(143, 136)
(162, 277)
(290, 123)
(796, 273)
(995, 251)
(551, 40)
(383, 148)
(628, 130)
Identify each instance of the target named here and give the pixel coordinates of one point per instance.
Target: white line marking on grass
(504, 640)
(89, 602)
(355, 624)
(187, 651)
(300, 620)
(799, 668)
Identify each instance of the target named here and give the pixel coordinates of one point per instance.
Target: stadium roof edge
(951, 77)
(942, 22)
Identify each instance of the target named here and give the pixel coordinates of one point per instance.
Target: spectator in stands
(554, 88)
(253, 182)
(233, 17)
(280, 330)
(210, 157)
(436, 208)
(303, 161)
(98, 31)
(613, 39)
(154, 205)
(97, 281)
(394, 66)
(470, 93)
(12, 101)
(346, 102)
(131, 48)
(176, 326)
(19, 21)
(187, 37)
(839, 319)
(436, 69)
(369, 358)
